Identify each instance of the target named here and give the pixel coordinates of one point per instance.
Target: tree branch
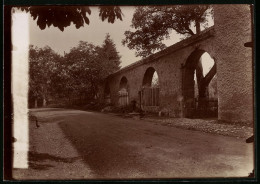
(206, 80)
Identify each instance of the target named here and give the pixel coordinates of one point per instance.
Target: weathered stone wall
(225, 43)
(234, 62)
(167, 64)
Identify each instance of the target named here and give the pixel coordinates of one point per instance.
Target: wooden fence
(123, 98)
(150, 96)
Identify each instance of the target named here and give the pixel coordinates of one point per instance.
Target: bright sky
(94, 32)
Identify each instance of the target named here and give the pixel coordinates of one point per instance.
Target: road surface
(73, 144)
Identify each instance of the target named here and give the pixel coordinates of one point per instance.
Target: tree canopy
(63, 16)
(77, 75)
(110, 56)
(89, 65)
(43, 70)
(153, 24)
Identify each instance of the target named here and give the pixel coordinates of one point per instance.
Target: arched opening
(150, 88)
(123, 92)
(155, 80)
(123, 83)
(150, 77)
(200, 85)
(107, 96)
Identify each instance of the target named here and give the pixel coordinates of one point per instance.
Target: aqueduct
(176, 66)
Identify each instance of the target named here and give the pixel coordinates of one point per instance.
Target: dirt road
(72, 144)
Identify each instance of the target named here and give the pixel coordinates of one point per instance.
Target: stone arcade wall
(225, 43)
(167, 64)
(234, 62)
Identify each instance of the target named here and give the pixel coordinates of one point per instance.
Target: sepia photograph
(130, 92)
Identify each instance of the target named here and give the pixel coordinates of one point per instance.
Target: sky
(94, 33)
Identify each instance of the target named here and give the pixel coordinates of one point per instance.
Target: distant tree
(62, 16)
(88, 66)
(153, 24)
(109, 56)
(83, 69)
(42, 68)
(74, 77)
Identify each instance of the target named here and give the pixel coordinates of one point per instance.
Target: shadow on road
(98, 144)
(36, 160)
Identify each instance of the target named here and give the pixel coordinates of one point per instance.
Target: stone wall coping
(169, 50)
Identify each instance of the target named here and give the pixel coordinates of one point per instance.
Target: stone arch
(150, 93)
(123, 92)
(123, 83)
(192, 67)
(148, 77)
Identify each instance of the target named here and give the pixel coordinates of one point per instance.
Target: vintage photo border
(7, 99)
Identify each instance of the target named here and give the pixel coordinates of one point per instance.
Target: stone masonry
(234, 62)
(225, 44)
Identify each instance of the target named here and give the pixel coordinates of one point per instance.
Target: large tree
(83, 70)
(63, 16)
(109, 56)
(43, 66)
(153, 24)
(74, 78)
(88, 65)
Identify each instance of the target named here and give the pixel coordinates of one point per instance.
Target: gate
(150, 96)
(207, 109)
(123, 98)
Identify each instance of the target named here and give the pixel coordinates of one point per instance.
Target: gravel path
(208, 126)
(51, 155)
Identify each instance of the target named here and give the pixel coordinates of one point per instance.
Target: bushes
(94, 106)
(123, 109)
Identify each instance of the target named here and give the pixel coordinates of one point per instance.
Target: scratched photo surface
(132, 92)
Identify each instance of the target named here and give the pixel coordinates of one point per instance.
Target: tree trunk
(203, 87)
(44, 92)
(44, 102)
(197, 24)
(210, 75)
(93, 89)
(199, 73)
(35, 103)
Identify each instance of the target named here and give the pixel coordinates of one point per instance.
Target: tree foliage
(110, 56)
(43, 67)
(63, 16)
(77, 75)
(84, 69)
(110, 13)
(89, 65)
(153, 24)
